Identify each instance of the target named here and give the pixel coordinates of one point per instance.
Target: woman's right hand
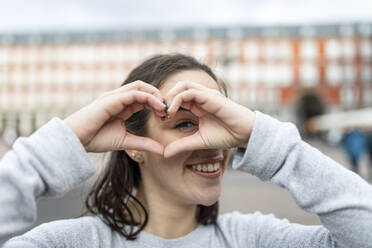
(100, 126)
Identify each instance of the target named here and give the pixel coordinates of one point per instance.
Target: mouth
(210, 169)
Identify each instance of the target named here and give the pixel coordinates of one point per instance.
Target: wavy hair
(112, 197)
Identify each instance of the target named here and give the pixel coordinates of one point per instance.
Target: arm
(319, 185)
(54, 159)
(49, 163)
(276, 153)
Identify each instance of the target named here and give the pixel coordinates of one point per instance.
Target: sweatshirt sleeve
(49, 163)
(319, 185)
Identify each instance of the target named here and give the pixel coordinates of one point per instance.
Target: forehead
(195, 76)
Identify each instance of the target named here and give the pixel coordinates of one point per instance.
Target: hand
(222, 122)
(100, 126)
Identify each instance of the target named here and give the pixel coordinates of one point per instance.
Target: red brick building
(268, 68)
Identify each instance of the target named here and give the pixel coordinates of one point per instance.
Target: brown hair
(112, 197)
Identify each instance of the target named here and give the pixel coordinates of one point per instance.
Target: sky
(27, 16)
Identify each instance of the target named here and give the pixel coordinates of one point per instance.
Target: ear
(135, 155)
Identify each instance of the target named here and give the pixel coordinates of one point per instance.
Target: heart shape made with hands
(222, 122)
(212, 133)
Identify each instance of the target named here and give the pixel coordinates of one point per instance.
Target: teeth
(206, 167)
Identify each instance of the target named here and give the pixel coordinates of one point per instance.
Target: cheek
(170, 175)
(166, 169)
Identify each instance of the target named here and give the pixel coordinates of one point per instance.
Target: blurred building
(266, 68)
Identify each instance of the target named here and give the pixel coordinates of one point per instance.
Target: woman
(171, 138)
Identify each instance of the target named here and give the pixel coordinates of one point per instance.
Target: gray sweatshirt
(52, 161)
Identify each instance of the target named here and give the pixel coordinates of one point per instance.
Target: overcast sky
(80, 15)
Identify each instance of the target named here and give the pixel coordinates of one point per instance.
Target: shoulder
(257, 228)
(85, 231)
(243, 229)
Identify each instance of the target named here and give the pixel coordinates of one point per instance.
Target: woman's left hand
(222, 122)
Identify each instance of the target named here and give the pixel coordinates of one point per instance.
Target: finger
(189, 143)
(182, 86)
(142, 86)
(134, 108)
(159, 114)
(194, 109)
(142, 143)
(129, 111)
(206, 101)
(137, 85)
(184, 98)
(116, 103)
(144, 98)
(187, 105)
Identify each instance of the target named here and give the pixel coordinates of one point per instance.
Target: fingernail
(166, 109)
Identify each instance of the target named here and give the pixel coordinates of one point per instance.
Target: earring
(136, 157)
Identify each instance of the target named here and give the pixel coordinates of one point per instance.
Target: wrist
(70, 123)
(247, 128)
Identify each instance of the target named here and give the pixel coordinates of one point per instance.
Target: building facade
(266, 68)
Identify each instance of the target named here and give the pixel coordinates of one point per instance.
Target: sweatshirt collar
(191, 239)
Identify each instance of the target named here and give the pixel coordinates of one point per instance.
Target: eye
(186, 125)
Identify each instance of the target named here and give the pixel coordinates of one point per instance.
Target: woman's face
(175, 178)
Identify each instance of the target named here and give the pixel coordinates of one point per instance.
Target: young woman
(171, 129)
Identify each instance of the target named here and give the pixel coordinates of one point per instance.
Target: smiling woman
(155, 178)
(163, 181)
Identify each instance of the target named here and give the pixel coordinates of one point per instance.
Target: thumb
(143, 144)
(189, 143)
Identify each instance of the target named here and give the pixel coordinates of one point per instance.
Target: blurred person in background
(354, 143)
(369, 151)
(309, 105)
(170, 128)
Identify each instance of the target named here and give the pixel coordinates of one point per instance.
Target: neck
(167, 218)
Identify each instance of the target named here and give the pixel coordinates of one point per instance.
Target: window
(333, 49)
(334, 74)
(308, 50)
(309, 75)
(251, 50)
(366, 49)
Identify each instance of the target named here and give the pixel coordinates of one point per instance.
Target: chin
(209, 197)
(208, 203)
